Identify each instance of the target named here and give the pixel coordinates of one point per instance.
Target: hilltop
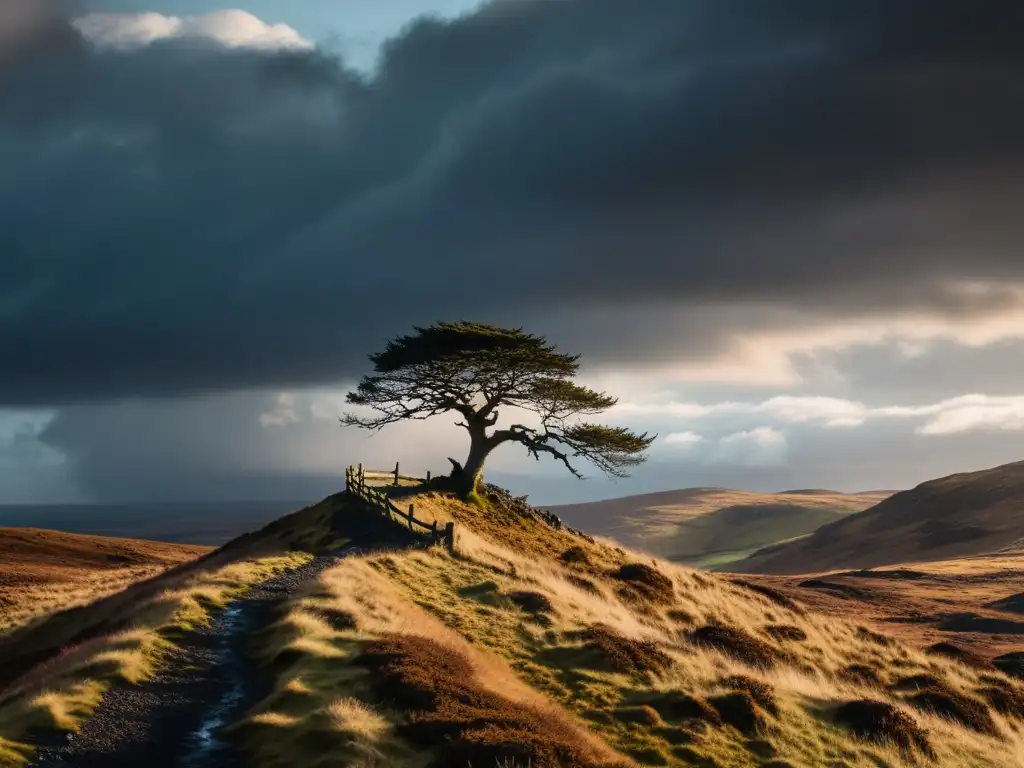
(963, 514)
(531, 644)
(48, 570)
(712, 527)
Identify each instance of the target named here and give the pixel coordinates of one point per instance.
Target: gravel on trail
(173, 720)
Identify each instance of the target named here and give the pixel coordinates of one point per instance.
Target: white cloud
(967, 413)
(282, 414)
(757, 447)
(231, 28)
(833, 412)
(683, 439)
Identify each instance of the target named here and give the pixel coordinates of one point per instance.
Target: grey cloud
(185, 219)
(884, 375)
(215, 447)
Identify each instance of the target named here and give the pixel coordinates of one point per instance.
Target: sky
(785, 235)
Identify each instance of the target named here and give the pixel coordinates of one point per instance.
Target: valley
(713, 527)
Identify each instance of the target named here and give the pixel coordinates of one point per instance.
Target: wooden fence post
(449, 536)
(428, 476)
(396, 473)
(411, 517)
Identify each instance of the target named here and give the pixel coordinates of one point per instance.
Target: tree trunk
(468, 479)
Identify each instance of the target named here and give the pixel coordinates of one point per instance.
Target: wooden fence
(356, 485)
(391, 477)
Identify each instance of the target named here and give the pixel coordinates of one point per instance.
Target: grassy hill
(712, 527)
(45, 571)
(531, 646)
(960, 515)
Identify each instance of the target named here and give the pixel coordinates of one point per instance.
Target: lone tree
(474, 369)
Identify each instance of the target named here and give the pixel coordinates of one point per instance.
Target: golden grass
(30, 603)
(326, 708)
(61, 693)
(48, 571)
(526, 620)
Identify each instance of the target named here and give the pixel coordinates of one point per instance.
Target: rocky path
(173, 720)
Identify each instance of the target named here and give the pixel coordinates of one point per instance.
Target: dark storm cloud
(31, 29)
(183, 218)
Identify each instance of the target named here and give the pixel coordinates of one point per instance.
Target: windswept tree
(473, 370)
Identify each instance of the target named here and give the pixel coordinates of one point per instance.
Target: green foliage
(474, 369)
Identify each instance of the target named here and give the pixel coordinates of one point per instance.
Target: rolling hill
(526, 644)
(46, 570)
(963, 514)
(711, 527)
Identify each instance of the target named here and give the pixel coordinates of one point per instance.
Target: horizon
(786, 240)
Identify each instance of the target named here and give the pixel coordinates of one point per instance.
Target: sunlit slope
(534, 646)
(42, 571)
(963, 514)
(713, 526)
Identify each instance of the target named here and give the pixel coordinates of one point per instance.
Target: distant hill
(963, 514)
(712, 527)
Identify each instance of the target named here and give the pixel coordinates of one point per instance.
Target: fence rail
(392, 475)
(355, 484)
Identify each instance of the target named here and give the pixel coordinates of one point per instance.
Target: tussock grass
(430, 697)
(63, 691)
(742, 676)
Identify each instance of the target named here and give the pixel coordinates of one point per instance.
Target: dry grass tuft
(1005, 698)
(919, 682)
(955, 652)
(623, 654)
(583, 583)
(883, 723)
(575, 554)
(531, 602)
(758, 690)
(644, 715)
(877, 638)
(785, 633)
(739, 710)
(737, 644)
(861, 674)
(464, 723)
(642, 582)
(676, 706)
(1011, 664)
(959, 707)
(772, 595)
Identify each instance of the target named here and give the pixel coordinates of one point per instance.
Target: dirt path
(173, 720)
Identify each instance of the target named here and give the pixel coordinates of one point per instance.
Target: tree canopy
(475, 369)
